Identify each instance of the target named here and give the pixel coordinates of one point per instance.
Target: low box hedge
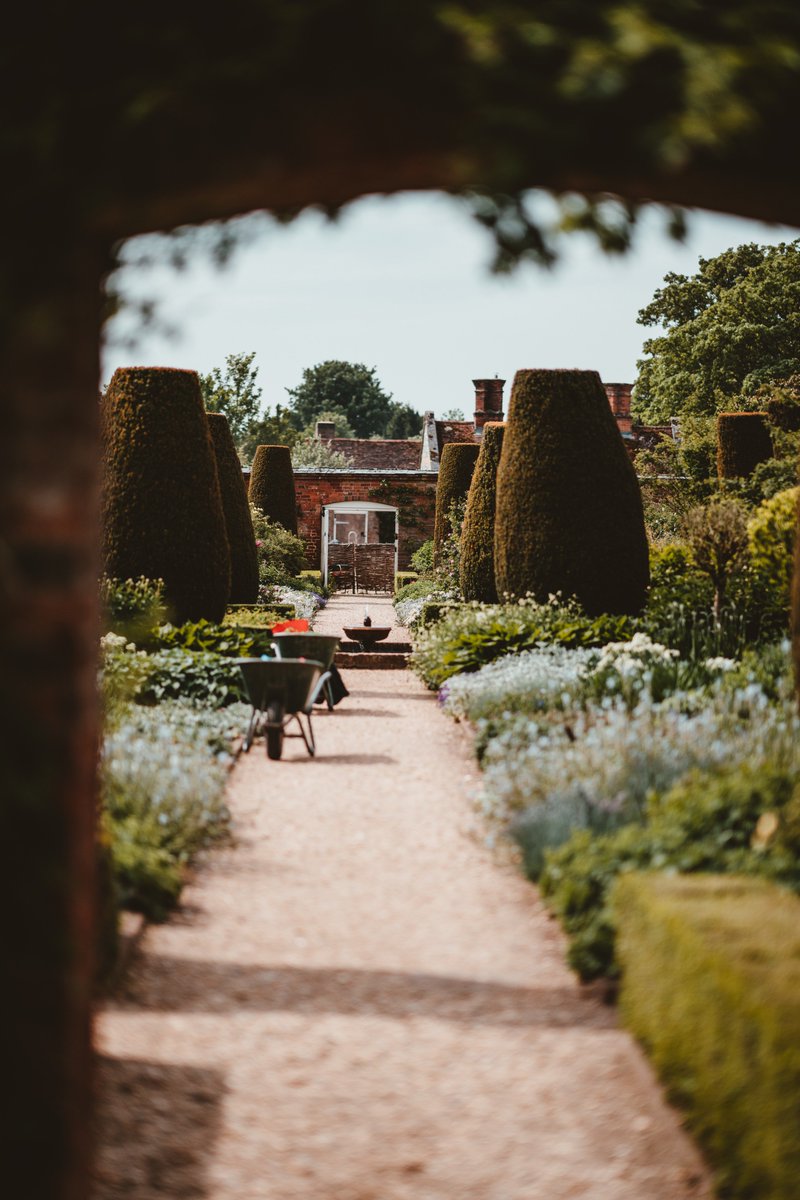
(315, 577)
(401, 578)
(433, 611)
(711, 986)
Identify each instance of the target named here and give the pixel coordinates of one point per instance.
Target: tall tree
(271, 429)
(404, 421)
(234, 393)
(352, 389)
(728, 329)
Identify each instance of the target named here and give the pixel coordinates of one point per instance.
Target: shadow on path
(159, 1108)
(190, 985)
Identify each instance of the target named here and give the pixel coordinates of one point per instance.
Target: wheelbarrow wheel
(274, 730)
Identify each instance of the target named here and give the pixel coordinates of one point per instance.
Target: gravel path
(357, 1002)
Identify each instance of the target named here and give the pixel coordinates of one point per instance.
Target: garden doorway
(359, 545)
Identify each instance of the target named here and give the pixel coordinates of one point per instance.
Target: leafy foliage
(351, 389)
(729, 328)
(163, 774)
(706, 822)
(281, 553)
(717, 535)
(226, 639)
(472, 634)
(234, 393)
(310, 452)
(132, 607)
(270, 429)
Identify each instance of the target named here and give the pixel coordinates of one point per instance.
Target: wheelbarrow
(319, 647)
(282, 691)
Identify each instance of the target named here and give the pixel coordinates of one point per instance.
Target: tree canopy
(727, 330)
(351, 389)
(234, 393)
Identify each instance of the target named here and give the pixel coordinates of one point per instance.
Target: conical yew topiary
(743, 441)
(162, 509)
(569, 513)
(455, 475)
(238, 523)
(272, 485)
(477, 536)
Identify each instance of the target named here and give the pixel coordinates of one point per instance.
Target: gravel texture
(358, 1001)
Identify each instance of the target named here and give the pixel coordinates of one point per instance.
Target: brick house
(364, 521)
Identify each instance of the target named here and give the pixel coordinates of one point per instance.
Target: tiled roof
(454, 431)
(381, 453)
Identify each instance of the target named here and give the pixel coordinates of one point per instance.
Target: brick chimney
(619, 397)
(325, 430)
(488, 401)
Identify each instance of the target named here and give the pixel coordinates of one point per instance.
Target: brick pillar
(488, 400)
(49, 537)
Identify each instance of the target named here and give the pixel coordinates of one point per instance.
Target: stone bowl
(367, 635)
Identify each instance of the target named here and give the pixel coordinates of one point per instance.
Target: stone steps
(387, 656)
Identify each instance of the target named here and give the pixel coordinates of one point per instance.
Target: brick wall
(412, 492)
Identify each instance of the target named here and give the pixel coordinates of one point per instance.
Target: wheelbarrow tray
(281, 691)
(321, 647)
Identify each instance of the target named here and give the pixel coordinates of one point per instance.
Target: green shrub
(311, 579)
(416, 590)
(403, 578)
(132, 607)
(432, 611)
(238, 523)
(422, 558)
(455, 475)
(170, 674)
(281, 554)
(743, 441)
(258, 618)
(477, 538)
(706, 822)
(162, 509)
(711, 976)
(148, 878)
(772, 531)
(569, 516)
(228, 640)
(717, 537)
(272, 487)
(468, 636)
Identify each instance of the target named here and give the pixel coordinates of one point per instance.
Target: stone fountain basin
(367, 635)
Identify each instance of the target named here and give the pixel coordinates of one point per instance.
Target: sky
(403, 285)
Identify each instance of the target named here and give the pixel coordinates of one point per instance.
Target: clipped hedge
(403, 578)
(569, 516)
(743, 441)
(477, 538)
(162, 507)
(455, 475)
(710, 984)
(272, 485)
(236, 510)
